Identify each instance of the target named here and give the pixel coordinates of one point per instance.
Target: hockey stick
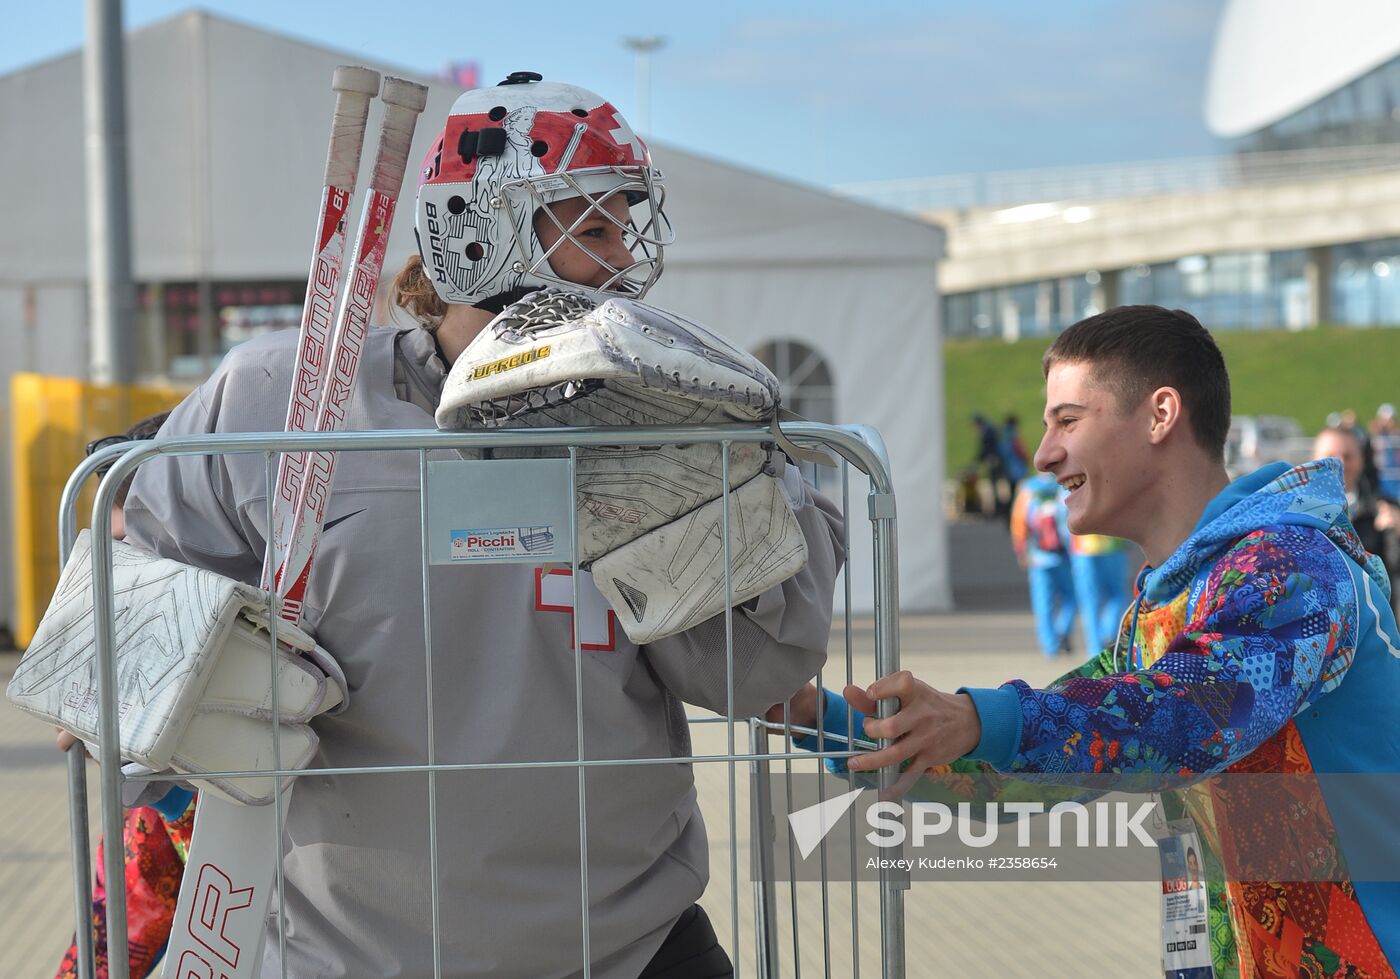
(229, 875)
(354, 88)
(403, 101)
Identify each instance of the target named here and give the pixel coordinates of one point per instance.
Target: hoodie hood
(1310, 495)
(419, 370)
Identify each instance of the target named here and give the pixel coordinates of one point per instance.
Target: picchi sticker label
(494, 543)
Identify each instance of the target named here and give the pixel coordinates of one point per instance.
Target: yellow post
(53, 419)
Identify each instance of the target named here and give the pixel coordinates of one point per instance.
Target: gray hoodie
(356, 847)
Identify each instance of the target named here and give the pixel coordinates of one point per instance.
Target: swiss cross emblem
(623, 136)
(595, 621)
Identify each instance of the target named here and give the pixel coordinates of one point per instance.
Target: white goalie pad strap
(553, 345)
(235, 743)
(232, 730)
(308, 682)
(671, 579)
(218, 742)
(191, 644)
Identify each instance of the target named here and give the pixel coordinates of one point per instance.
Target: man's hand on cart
(930, 728)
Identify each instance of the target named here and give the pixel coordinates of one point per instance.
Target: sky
(821, 92)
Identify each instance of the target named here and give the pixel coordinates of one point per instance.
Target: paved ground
(959, 929)
(36, 913)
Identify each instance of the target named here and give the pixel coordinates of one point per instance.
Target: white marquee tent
(227, 131)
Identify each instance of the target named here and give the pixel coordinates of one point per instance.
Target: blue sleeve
(840, 723)
(999, 710)
(839, 719)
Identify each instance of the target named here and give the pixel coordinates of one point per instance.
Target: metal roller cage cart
(770, 928)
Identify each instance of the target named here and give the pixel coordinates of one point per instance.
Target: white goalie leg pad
(672, 578)
(194, 669)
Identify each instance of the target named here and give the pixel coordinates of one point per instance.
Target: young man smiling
(1261, 641)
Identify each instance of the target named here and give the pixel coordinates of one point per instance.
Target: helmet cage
(645, 235)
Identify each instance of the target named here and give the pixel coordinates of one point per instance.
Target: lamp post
(112, 298)
(641, 48)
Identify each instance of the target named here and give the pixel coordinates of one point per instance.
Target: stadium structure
(1293, 225)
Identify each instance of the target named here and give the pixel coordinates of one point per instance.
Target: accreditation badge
(1185, 928)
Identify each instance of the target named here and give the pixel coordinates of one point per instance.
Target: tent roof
(227, 127)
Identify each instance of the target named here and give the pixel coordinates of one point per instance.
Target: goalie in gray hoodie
(581, 207)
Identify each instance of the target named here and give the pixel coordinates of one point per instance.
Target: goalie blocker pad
(673, 578)
(194, 671)
(648, 518)
(625, 491)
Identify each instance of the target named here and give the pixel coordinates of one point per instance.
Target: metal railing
(858, 446)
(1007, 188)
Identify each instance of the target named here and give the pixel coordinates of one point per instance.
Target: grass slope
(1303, 375)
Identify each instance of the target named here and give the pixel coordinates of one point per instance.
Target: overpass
(1037, 226)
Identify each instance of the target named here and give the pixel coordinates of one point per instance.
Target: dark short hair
(1142, 348)
(147, 428)
(144, 429)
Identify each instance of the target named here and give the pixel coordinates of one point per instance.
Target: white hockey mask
(505, 155)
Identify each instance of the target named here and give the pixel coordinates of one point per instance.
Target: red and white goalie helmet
(508, 151)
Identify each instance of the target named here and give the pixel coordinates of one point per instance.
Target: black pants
(690, 951)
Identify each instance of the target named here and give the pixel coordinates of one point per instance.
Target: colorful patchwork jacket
(1264, 644)
(155, 843)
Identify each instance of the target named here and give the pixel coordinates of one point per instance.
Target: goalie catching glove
(194, 681)
(649, 519)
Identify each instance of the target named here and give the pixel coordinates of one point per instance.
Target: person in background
(1099, 566)
(1375, 516)
(1013, 452)
(1385, 451)
(1039, 536)
(1347, 420)
(990, 459)
(969, 496)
